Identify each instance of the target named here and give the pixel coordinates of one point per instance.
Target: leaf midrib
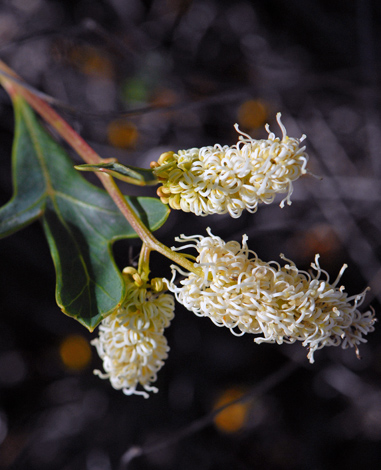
(39, 153)
(51, 193)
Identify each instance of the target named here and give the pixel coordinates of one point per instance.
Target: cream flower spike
(283, 304)
(131, 340)
(223, 179)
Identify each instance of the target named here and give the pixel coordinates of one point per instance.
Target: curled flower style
(131, 340)
(284, 304)
(223, 179)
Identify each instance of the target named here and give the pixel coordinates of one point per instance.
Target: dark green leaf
(80, 220)
(129, 174)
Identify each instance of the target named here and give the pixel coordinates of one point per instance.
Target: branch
(266, 385)
(15, 86)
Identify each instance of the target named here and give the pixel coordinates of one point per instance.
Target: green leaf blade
(28, 200)
(88, 288)
(80, 220)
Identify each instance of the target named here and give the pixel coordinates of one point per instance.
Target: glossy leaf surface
(80, 220)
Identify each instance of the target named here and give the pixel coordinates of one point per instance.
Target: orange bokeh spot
(75, 352)
(164, 97)
(122, 134)
(232, 418)
(252, 114)
(321, 238)
(91, 61)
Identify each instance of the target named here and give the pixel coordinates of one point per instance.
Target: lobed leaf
(80, 220)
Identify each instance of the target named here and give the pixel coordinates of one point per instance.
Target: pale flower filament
(221, 179)
(131, 340)
(282, 304)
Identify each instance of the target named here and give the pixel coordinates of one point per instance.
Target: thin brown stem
(263, 387)
(15, 87)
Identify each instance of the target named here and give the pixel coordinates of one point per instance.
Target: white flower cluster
(247, 295)
(131, 340)
(223, 179)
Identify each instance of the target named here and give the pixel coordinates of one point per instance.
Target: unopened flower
(283, 304)
(221, 179)
(131, 340)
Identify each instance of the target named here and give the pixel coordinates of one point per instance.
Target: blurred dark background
(136, 78)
